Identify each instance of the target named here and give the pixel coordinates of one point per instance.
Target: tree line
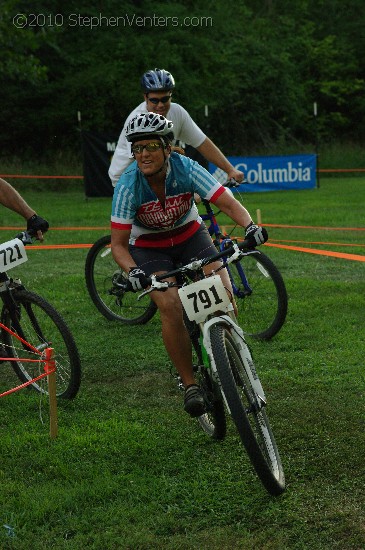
(249, 73)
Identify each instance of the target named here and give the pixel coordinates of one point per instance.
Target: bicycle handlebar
(27, 237)
(233, 183)
(195, 265)
(231, 253)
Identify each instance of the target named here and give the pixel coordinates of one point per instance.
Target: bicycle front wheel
(102, 276)
(261, 296)
(39, 324)
(247, 411)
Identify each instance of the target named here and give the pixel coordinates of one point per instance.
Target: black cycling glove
(138, 279)
(255, 234)
(36, 223)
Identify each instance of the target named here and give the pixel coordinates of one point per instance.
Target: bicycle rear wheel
(247, 411)
(261, 295)
(39, 324)
(102, 275)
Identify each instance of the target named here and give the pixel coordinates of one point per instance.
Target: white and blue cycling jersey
(137, 208)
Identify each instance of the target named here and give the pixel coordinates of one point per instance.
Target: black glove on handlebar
(36, 223)
(138, 279)
(255, 234)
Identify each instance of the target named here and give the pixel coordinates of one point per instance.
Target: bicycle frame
(213, 228)
(221, 241)
(45, 357)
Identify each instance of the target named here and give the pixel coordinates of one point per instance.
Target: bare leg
(174, 333)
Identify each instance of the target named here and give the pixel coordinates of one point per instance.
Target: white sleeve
(122, 157)
(185, 129)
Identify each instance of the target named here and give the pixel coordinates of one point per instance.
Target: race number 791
(204, 297)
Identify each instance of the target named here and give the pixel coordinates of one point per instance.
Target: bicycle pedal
(198, 368)
(177, 378)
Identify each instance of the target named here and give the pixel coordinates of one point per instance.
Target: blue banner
(272, 173)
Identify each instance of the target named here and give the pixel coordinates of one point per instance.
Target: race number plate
(204, 297)
(12, 254)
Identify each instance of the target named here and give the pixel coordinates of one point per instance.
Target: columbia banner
(261, 173)
(273, 173)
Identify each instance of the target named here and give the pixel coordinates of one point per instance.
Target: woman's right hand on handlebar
(137, 279)
(37, 226)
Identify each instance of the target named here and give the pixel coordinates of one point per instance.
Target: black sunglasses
(150, 147)
(156, 100)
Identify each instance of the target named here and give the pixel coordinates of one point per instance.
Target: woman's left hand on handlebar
(256, 234)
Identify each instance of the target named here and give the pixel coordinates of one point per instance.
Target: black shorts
(153, 260)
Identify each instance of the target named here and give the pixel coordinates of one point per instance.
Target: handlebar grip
(233, 183)
(245, 244)
(127, 285)
(26, 236)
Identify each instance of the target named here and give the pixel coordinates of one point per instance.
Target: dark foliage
(258, 66)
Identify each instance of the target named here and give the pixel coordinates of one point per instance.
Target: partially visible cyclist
(155, 224)
(10, 198)
(157, 86)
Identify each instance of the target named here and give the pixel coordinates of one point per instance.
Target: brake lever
(155, 285)
(26, 237)
(237, 254)
(233, 183)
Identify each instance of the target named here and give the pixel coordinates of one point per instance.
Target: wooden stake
(50, 368)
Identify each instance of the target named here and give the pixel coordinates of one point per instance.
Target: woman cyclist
(155, 225)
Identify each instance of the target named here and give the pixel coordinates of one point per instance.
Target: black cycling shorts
(153, 260)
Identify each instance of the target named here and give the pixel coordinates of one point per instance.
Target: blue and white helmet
(157, 80)
(149, 125)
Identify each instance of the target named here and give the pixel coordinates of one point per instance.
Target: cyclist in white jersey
(157, 86)
(155, 224)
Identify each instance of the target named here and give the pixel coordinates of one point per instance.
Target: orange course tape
(342, 255)
(314, 227)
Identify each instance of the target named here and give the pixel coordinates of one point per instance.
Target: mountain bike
(30, 325)
(224, 366)
(257, 285)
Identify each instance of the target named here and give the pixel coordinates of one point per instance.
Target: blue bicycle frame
(221, 242)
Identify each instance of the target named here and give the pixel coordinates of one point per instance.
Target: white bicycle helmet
(149, 125)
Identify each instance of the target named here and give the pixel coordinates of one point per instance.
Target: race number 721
(12, 254)
(204, 297)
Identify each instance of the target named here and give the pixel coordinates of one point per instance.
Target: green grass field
(129, 469)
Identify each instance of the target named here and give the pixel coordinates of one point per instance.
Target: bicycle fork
(238, 336)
